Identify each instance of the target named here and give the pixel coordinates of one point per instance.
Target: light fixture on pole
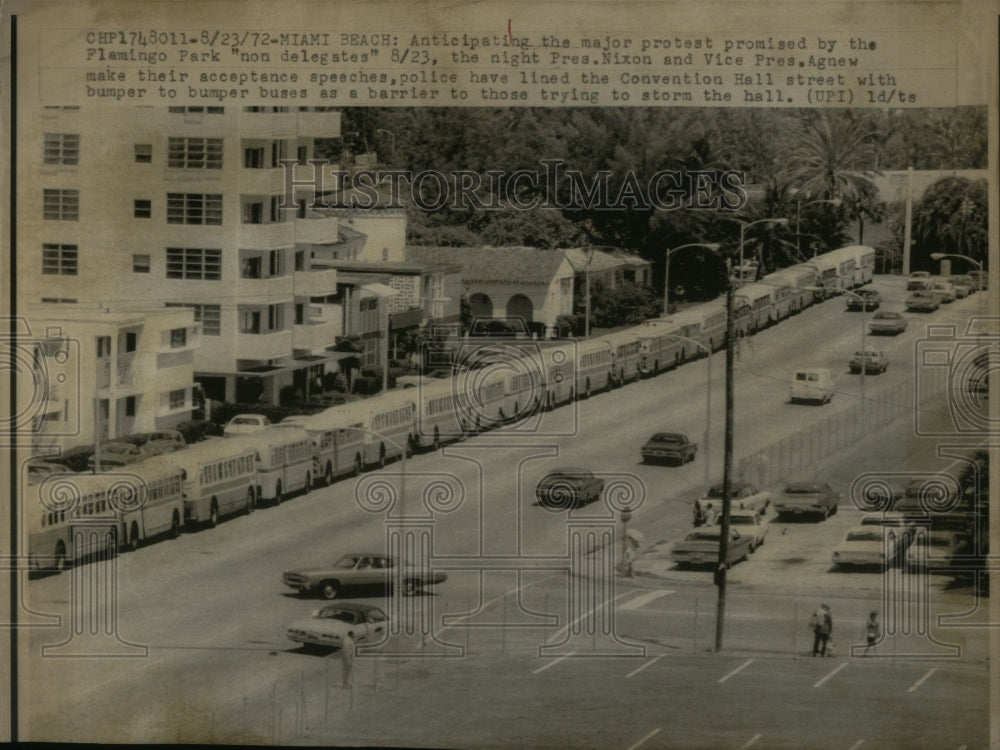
(714, 247)
(798, 211)
(743, 229)
(976, 263)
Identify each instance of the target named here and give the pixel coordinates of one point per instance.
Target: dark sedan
(669, 446)
(864, 299)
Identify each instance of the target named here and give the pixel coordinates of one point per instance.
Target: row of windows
(385, 420)
(61, 205)
(194, 208)
(165, 489)
(194, 153)
(230, 468)
(61, 148)
(59, 260)
(285, 455)
(194, 263)
(87, 507)
(210, 317)
(182, 208)
(602, 357)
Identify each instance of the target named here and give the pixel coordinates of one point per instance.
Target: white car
(869, 546)
(246, 424)
(748, 522)
(932, 549)
(328, 626)
(944, 290)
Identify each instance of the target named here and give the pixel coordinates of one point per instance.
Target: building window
(194, 208)
(59, 300)
(566, 285)
(300, 260)
(142, 209)
(210, 317)
(131, 339)
(143, 153)
(253, 213)
(140, 263)
(103, 346)
(61, 205)
(197, 110)
(275, 317)
(250, 268)
(276, 267)
(250, 322)
(302, 154)
(130, 406)
(194, 263)
(300, 313)
(59, 260)
(253, 158)
(178, 338)
(194, 153)
(61, 148)
(178, 399)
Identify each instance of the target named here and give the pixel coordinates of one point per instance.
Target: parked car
(412, 381)
(864, 300)
(568, 487)
(979, 278)
(115, 454)
(813, 384)
(887, 322)
(742, 496)
(38, 470)
(800, 498)
(669, 446)
(701, 547)
(246, 424)
(155, 443)
(870, 546)
(918, 280)
(930, 549)
(359, 569)
(944, 290)
(923, 301)
(328, 626)
(871, 360)
(964, 285)
(748, 522)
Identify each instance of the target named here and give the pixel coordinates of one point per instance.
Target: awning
(406, 319)
(377, 290)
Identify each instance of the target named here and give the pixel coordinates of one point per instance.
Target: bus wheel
(381, 456)
(437, 439)
(251, 500)
(328, 476)
(329, 589)
(277, 493)
(213, 514)
(175, 526)
(59, 563)
(357, 465)
(656, 367)
(133, 537)
(308, 485)
(410, 445)
(110, 545)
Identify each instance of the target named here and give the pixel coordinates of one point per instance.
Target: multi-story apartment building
(157, 207)
(102, 373)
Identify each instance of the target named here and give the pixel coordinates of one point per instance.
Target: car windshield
(666, 437)
(244, 420)
(799, 489)
(696, 536)
(343, 615)
(347, 561)
(888, 316)
(120, 449)
(741, 521)
(864, 536)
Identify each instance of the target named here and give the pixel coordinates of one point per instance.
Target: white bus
(861, 259)
(705, 323)
(828, 273)
(388, 423)
(337, 450)
(760, 297)
(595, 365)
(659, 345)
(626, 349)
(219, 477)
(284, 461)
(442, 414)
(799, 281)
(68, 518)
(559, 361)
(159, 507)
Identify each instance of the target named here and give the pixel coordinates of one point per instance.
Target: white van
(814, 384)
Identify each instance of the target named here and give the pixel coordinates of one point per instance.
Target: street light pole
(727, 470)
(798, 223)
(714, 247)
(743, 229)
(586, 331)
(976, 263)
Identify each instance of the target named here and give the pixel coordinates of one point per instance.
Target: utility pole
(720, 574)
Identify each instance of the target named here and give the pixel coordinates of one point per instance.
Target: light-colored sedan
(328, 626)
(748, 523)
(944, 290)
(869, 546)
(932, 549)
(246, 424)
(365, 569)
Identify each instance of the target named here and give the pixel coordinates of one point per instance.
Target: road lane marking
(651, 734)
(922, 680)
(553, 662)
(649, 663)
(830, 675)
(565, 629)
(641, 601)
(857, 744)
(751, 741)
(740, 668)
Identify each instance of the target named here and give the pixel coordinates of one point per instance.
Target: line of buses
(511, 381)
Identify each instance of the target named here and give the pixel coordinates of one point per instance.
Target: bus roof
(210, 450)
(755, 291)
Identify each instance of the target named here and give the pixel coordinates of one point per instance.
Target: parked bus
(219, 477)
(388, 423)
(705, 323)
(159, 506)
(559, 361)
(284, 462)
(337, 449)
(848, 270)
(863, 268)
(595, 361)
(659, 346)
(799, 281)
(828, 273)
(625, 347)
(68, 519)
(442, 413)
(760, 298)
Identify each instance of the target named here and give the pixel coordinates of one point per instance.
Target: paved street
(211, 607)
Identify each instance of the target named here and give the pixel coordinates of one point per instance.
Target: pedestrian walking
(628, 558)
(872, 633)
(699, 513)
(821, 624)
(347, 659)
(709, 514)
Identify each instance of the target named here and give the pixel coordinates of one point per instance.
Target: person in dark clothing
(822, 627)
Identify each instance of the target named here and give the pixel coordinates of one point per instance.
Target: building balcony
(260, 346)
(318, 124)
(267, 291)
(319, 230)
(269, 125)
(267, 236)
(262, 181)
(317, 282)
(125, 374)
(316, 336)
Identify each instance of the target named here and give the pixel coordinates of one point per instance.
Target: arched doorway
(480, 306)
(519, 306)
